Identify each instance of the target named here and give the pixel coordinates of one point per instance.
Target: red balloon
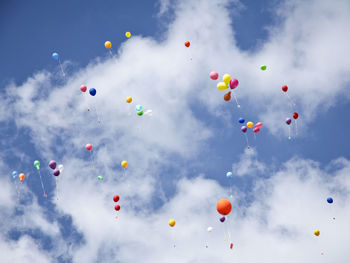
(187, 43)
(117, 207)
(116, 198)
(295, 115)
(224, 207)
(285, 88)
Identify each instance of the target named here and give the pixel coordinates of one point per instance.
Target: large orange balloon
(224, 207)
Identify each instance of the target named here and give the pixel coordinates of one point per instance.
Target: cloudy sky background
(178, 157)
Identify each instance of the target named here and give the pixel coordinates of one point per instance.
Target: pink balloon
(214, 75)
(259, 125)
(83, 88)
(88, 147)
(233, 83)
(256, 129)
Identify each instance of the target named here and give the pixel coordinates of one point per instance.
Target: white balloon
(210, 229)
(60, 167)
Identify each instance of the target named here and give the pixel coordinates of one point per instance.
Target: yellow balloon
(221, 86)
(108, 44)
(317, 232)
(124, 164)
(128, 34)
(128, 99)
(226, 78)
(171, 222)
(250, 124)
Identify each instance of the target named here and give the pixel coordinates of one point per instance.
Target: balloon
(285, 88)
(288, 121)
(221, 86)
(214, 75)
(140, 112)
(295, 115)
(187, 43)
(52, 164)
(92, 92)
(14, 174)
(263, 67)
(116, 198)
(108, 44)
(61, 167)
(83, 88)
(55, 56)
(330, 200)
(250, 124)
(172, 222)
(241, 120)
(222, 219)
(259, 124)
(224, 207)
(138, 107)
(226, 78)
(124, 164)
(229, 175)
(233, 83)
(37, 165)
(22, 176)
(56, 172)
(117, 207)
(256, 129)
(148, 112)
(317, 232)
(244, 129)
(231, 245)
(100, 178)
(227, 96)
(209, 229)
(88, 147)
(128, 99)
(127, 34)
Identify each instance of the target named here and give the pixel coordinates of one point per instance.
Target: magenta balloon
(56, 172)
(259, 125)
(52, 164)
(244, 129)
(88, 147)
(214, 75)
(83, 88)
(233, 83)
(288, 121)
(256, 129)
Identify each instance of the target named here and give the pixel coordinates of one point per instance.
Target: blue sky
(193, 137)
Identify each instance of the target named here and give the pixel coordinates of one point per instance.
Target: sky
(179, 155)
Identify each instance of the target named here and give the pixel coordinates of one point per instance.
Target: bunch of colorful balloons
(227, 83)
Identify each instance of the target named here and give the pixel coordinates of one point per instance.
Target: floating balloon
(233, 83)
(259, 124)
(214, 75)
(229, 175)
(285, 88)
(52, 164)
(37, 165)
(288, 121)
(127, 34)
(222, 219)
(117, 207)
(244, 129)
(148, 112)
(22, 176)
(187, 43)
(209, 229)
(330, 200)
(56, 172)
(317, 232)
(250, 124)
(108, 44)
(226, 78)
(227, 96)
(172, 222)
(116, 198)
(241, 120)
(224, 207)
(140, 112)
(83, 88)
(295, 115)
(256, 129)
(221, 86)
(92, 92)
(55, 56)
(124, 164)
(263, 67)
(128, 99)
(88, 147)
(138, 107)
(61, 167)
(14, 174)
(100, 178)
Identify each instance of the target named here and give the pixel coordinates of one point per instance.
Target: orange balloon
(224, 207)
(21, 177)
(187, 43)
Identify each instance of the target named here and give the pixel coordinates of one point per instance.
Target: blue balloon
(241, 120)
(330, 200)
(92, 92)
(55, 56)
(138, 107)
(229, 175)
(14, 174)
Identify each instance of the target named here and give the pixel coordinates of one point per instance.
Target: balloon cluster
(116, 199)
(227, 82)
(58, 171)
(92, 91)
(250, 124)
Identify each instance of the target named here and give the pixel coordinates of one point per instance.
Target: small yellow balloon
(108, 44)
(250, 124)
(128, 99)
(171, 222)
(317, 232)
(128, 34)
(226, 78)
(221, 86)
(124, 164)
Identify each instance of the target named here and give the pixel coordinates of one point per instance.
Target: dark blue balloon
(241, 120)
(330, 200)
(92, 92)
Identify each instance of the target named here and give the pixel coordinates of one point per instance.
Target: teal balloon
(37, 165)
(14, 174)
(229, 175)
(138, 107)
(55, 56)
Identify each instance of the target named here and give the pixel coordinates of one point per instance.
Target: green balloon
(37, 165)
(100, 177)
(140, 112)
(263, 67)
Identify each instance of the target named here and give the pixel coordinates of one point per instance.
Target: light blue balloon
(138, 107)
(14, 174)
(55, 56)
(229, 175)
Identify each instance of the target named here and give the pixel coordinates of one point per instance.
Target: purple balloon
(52, 164)
(244, 129)
(288, 121)
(56, 172)
(222, 219)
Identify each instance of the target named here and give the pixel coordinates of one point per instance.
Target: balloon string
(293, 104)
(17, 190)
(234, 96)
(289, 133)
(296, 127)
(246, 138)
(64, 74)
(189, 54)
(254, 136)
(110, 53)
(42, 185)
(56, 180)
